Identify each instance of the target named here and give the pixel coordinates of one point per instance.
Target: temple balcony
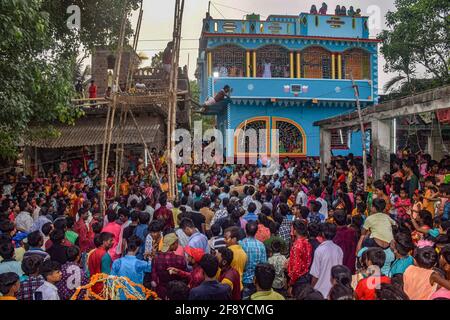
(303, 25)
(314, 90)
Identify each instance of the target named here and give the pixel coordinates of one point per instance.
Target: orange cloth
(417, 283)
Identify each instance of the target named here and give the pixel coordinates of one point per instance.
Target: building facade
(287, 72)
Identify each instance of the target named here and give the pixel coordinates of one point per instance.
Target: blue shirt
(316, 217)
(256, 253)
(132, 268)
(199, 240)
(251, 216)
(400, 265)
(141, 231)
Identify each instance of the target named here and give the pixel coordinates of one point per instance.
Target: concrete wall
(304, 116)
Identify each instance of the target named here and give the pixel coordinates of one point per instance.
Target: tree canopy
(418, 35)
(38, 55)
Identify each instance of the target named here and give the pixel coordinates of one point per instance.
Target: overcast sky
(157, 21)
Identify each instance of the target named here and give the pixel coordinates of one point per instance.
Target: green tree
(157, 60)
(418, 35)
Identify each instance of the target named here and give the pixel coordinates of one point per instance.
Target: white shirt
(324, 209)
(302, 198)
(49, 291)
(326, 256)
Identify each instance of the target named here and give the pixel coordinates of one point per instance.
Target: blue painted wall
(304, 116)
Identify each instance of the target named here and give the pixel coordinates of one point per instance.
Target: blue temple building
(287, 72)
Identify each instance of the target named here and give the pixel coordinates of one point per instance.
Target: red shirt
(365, 290)
(300, 259)
(93, 91)
(166, 216)
(85, 236)
(195, 277)
(231, 275)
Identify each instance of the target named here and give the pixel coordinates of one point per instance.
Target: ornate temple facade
(287, 72)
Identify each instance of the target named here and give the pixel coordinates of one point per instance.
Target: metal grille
(257, 125)
(229, 61)
(316, 63)
(356, 61)
(337, 142)
(290, 138)
(277, 56)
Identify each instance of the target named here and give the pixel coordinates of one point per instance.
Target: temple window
(272, 61)
(229, 61)
(243, 141)
(340, 139)
(316, 63)
(291, 137)
(356, 61)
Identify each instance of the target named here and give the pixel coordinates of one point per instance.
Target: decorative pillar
(325, 151)
(298, 65)
(209, 64)
(254, 64)
(339, 58)
(248, 63)
(291, 62)
(333, 66)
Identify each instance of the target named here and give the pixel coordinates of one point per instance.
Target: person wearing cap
(163, 261)
(196, 276)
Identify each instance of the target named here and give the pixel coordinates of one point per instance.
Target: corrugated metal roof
(89, 132)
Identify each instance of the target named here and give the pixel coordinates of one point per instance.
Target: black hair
(226, 254)
(265, 275)
(426, 217)
(376, 256)
(105, 236)
(301, 228)
(307, 292)
(304, 212)
(209, 264)
(31, 264)
(7, 250)
(57, 236)
(60, 224)
(72, 253)
(177, 290)
(35, 239)
(251, 228)
(97, 227)
(342, 275)
(112, 215)
(144, 217)
(403, 243)
(315, 206)
(234, 232)
(251, 207)
(6, 226)
(328, 230)
(7, 280)
(340, 217)
(276, 246)
(186, 223)
(133, 243)
(70, 222)
(156, 226)
(313, 229)
(134, 216)
(215, 229)
(48, 267)
(341, 292)
(98, 240)
(426, 257)
(388, 291)
(379, 204)
(123, 212)
(445, 253)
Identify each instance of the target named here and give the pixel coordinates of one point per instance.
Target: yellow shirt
(427, 204)
(7, 298)
(239, 259)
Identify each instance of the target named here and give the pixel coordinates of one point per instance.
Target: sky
(157, 23)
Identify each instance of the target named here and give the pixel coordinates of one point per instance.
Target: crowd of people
(232, 233)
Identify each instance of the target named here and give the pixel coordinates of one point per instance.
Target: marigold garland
(113, 287)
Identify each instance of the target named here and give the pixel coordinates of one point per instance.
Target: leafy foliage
(419, 35)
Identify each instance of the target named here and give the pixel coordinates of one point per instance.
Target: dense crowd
(231, 233)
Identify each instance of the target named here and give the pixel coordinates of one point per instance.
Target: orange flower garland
(115, 284)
